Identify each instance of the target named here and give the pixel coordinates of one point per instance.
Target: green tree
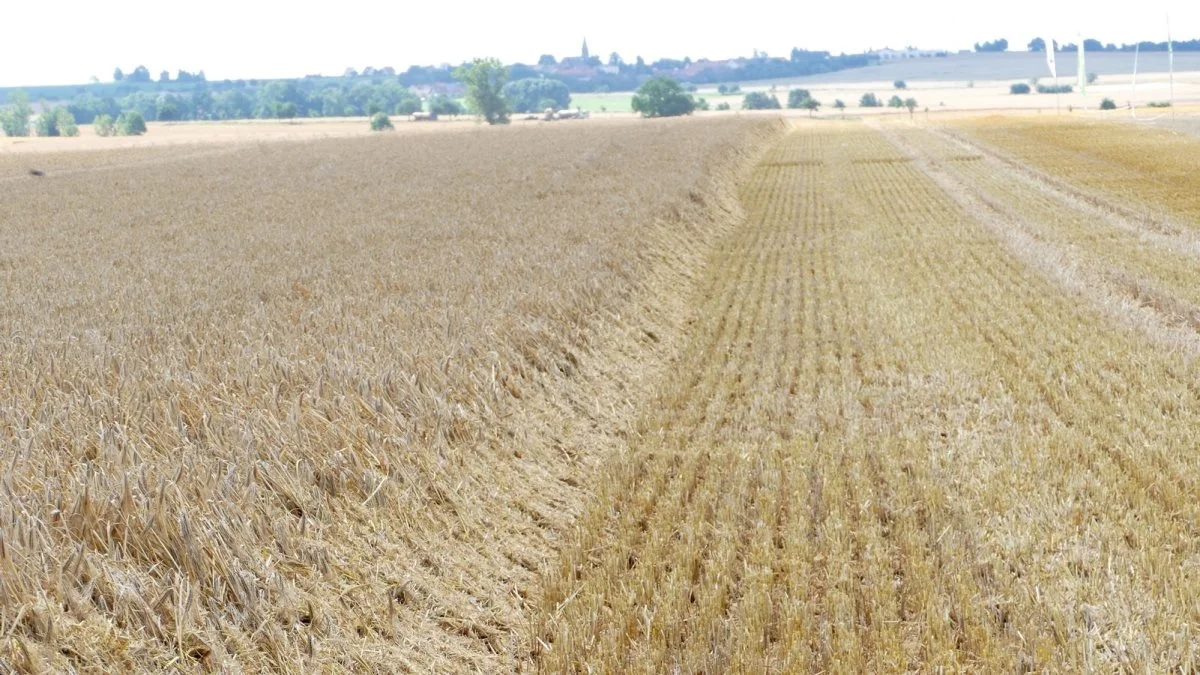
(839, 104)
(164, 76)
(66, 122)
(85, 107)
(1037, 45)
(104, 126)
(484, 80)
(757, 100)
(168, 109)
(811, 105)
(381, 122)
(723, 105)
(911, 104)
(232, 104)
(408, 104)
(273, 96)
(444, 105)
(200, 103)
(1108, 104)
(869, 101)
(287, 110)
(531, 94)
(797, 97)
(14, 118)
(118, 75)
(895, 102)
(131, 123)
(1018, 88)
(56, 122)
(900, 84)
(140, 74)
(662, 97)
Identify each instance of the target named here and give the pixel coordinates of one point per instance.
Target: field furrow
(916, 449)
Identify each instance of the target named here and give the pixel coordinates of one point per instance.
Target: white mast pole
(1133, 103)
(1171, 65)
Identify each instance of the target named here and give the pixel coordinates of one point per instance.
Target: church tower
(586, 55)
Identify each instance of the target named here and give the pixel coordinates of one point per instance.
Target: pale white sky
(68, 41)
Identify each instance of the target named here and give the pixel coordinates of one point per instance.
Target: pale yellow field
(232, 133)
(706, 396)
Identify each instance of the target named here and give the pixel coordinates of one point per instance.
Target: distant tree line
(630, 75)
(1093, 45)
(1000, 45)
(278, 99)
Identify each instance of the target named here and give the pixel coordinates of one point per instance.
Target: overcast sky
(68, 41)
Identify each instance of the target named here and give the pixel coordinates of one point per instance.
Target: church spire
(586, 55)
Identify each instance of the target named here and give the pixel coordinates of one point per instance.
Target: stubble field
(703, 396)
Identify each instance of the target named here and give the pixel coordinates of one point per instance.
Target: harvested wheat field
(711, 395)
(937, 411)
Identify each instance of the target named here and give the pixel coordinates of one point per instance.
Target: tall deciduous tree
(485, 80)
(14, 118)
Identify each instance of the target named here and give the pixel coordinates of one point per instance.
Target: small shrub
(1091, 78)
(14, 118)
(1053, 89)
(104, 126)
(869, 101)
(900, 84)
(381, 122)
(1159, 104)
(839, 104)
(1108, 104)
(797, 97)
(1019, 88)
(130, 123)
(56, 122)
(758, 100)
(723, 105)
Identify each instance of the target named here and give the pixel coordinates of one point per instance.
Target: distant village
(588, 72)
